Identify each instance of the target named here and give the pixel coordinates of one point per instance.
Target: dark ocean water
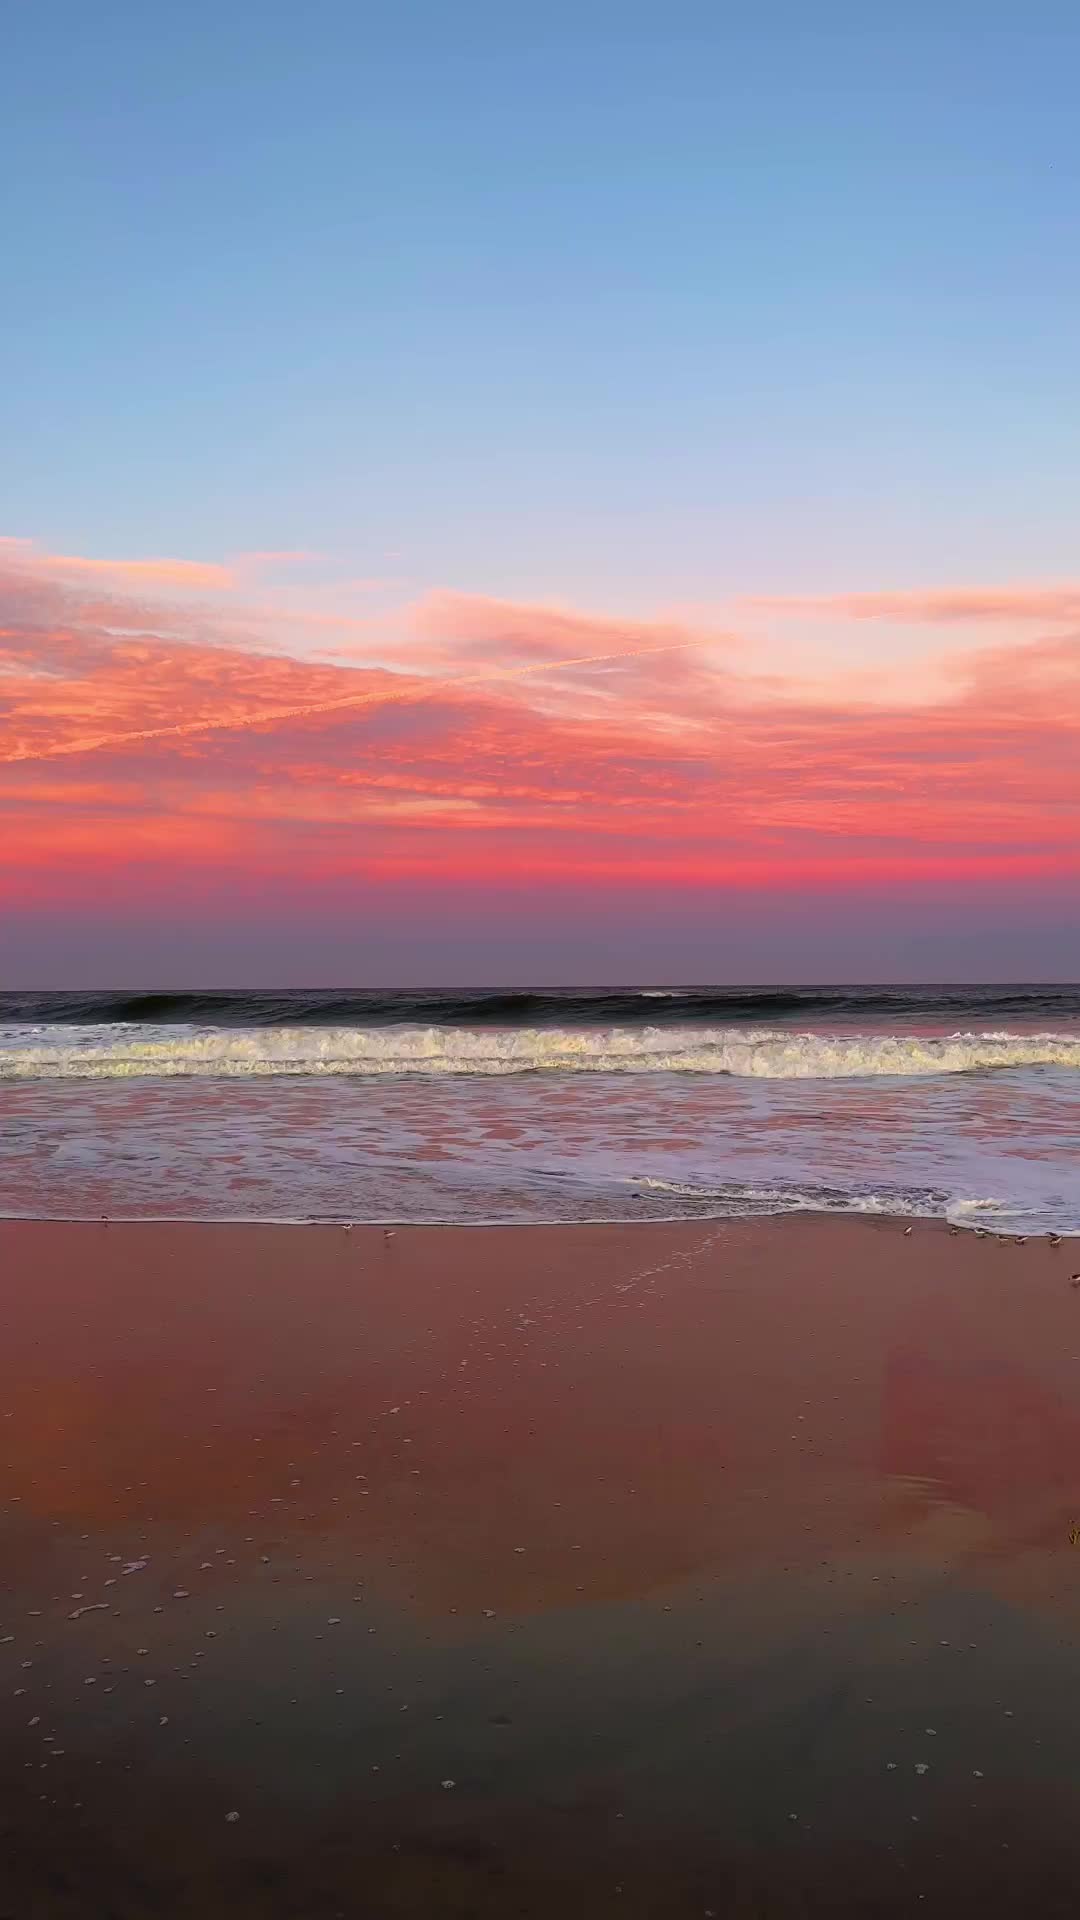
(328, 1006)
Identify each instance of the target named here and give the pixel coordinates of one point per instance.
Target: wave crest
(437, 1050)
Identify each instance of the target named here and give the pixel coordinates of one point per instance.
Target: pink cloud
(162, 573)
(476, 625)
(139, 738)
(1051, 605)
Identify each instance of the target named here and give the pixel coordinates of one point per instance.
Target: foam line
(114, 1054)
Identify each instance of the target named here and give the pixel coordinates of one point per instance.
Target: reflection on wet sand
(716, 1568)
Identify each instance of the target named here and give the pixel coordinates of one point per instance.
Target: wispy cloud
(164, 574)
(1049, 605)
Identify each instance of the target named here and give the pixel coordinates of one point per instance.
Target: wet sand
(654, 1570)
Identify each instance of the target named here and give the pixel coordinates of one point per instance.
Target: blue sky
(627, 304)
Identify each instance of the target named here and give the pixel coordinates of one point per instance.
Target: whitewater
(960, 1104)
(116, 1052)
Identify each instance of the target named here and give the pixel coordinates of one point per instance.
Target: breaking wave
(113, 1053)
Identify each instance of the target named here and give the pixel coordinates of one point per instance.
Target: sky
(539, 496)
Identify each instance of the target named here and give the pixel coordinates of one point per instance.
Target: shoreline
(918, 1223)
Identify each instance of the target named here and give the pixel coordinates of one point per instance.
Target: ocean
(957, 1103)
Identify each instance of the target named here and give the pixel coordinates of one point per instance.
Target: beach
(719, 1567)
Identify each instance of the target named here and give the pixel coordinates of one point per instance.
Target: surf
(438, 1051)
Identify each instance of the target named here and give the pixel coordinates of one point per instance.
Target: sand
(652, 1570)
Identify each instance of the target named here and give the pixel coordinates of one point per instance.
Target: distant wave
(443, 1050)
(619, 1007)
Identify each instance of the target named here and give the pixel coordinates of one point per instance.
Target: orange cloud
(232, 719)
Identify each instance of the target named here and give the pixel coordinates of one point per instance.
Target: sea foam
(116, 1052)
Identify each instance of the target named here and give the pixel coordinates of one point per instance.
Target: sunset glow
(157, 747)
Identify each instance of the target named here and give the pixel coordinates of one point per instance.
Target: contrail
(184, 729)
